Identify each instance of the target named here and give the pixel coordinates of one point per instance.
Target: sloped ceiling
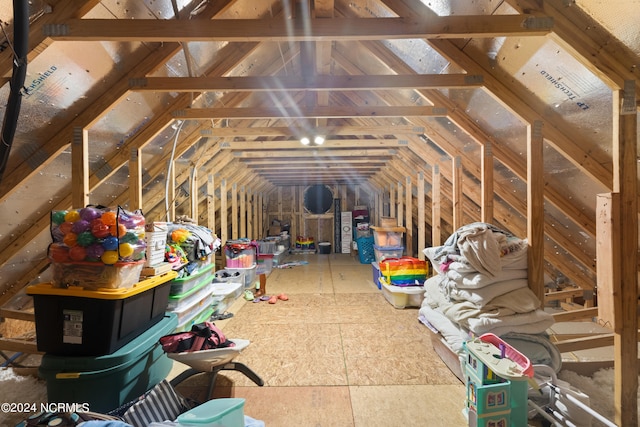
(395, 86)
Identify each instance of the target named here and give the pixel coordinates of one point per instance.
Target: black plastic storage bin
(77, 322)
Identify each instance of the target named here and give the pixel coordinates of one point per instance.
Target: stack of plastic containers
(191, 298)
(225, 290)
(241, 257)
(388, 242)
(95, 339)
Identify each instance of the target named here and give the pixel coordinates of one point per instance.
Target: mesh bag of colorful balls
(97, 247)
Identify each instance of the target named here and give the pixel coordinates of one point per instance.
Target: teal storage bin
(107, 382)
(225, 412)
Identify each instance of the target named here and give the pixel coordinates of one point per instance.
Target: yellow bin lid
(103, 293)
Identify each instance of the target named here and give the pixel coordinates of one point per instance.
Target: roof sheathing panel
(619, 17)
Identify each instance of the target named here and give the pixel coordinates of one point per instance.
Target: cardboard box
(156, 227)
(275, 230)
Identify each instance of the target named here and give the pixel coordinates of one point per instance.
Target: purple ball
(80, 226)
(127, 221)
(89, 214)
(94, 250)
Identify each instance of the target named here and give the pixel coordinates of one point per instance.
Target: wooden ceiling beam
(296, 145)
(288, 30)
(295, 163)
(311, 112)
(316, 130)
(306, 82)
(315, 172)
(314, 153)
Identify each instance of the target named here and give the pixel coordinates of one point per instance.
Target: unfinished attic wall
(286, 205)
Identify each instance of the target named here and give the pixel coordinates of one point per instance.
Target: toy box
(109, 381)
(78, 322)
(496, 377)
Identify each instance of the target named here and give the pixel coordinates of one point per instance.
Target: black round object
(318, 199)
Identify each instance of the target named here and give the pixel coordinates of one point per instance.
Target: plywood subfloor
(335, 354)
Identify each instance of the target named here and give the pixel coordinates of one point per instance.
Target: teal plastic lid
(211, 411)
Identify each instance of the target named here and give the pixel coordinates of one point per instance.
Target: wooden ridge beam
(316, 130)
(307, 149)
(327, 131)
(262, 154)
(311, 112)
(313, 82)
(286, 30)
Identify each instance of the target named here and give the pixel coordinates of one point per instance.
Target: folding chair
(214, 361)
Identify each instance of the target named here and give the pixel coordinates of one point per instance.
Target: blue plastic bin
(365, 250)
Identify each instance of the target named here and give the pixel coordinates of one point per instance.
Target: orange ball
(118, 231)
(77, 253)
(58, 253)
(66, 227)
(109, 218)
(70, 239)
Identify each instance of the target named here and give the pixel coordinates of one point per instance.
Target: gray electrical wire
(168, 177)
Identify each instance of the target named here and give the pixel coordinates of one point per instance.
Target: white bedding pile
(481, 287)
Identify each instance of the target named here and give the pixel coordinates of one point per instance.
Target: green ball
(57, 217)
(86, 238)
(130, 237)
